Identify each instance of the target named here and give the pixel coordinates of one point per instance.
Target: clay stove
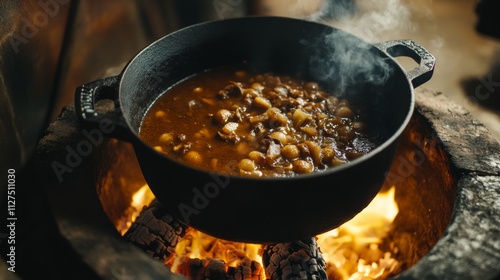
(448, 226)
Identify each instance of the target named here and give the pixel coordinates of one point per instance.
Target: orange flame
(351, 251)
(200, 245)
(140, 198)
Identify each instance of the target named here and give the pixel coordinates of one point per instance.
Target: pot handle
(109, 120)
(420, 74)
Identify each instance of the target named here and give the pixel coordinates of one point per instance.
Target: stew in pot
(247, 123)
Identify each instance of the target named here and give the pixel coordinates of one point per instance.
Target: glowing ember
(202, 246)
(351, 251)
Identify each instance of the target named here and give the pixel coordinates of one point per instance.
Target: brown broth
(239, 122)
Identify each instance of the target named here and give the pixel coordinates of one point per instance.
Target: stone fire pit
(450, 230)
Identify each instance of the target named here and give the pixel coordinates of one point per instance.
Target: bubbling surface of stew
(260, 124)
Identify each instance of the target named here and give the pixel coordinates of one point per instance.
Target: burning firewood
(217, 270)
(156, 232)
(294, 260)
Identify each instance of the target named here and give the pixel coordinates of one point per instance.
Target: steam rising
(378, 20)
(351, 62)
(371, 20)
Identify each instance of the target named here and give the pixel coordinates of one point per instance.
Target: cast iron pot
(261, 210)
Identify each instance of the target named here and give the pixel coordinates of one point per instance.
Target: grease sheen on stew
(240, 122)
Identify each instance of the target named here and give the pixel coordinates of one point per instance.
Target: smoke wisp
(350, 61)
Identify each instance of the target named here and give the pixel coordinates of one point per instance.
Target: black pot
(263, 210)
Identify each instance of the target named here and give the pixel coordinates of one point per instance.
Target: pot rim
(328, 172)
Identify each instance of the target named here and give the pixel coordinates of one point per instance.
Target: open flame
(200, 245)
(140, 199)
(351, 251)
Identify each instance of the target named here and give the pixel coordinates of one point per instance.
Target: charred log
(247, 269)
(217, 270)
(202, 269)
(294, 260)
(156, 232)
